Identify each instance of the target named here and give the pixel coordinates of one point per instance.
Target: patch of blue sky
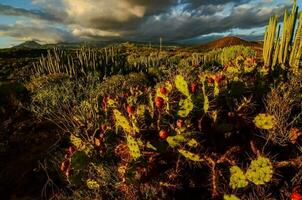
(26, 4)
(7, 42)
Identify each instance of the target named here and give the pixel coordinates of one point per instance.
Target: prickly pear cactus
(205, 97)
(182, 85)
(133, 147)
(186, 106)
(193, 143)
(122, 121)
(265, 121)
(76, 141)
(230, 197)
(206, 103)
(141, 109)
(260, 171)
(177, 140)
(216, 89)
(190, 156)
(237, 179)
(151, 105)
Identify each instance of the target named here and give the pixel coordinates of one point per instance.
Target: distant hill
(29, 45)
(226, 42)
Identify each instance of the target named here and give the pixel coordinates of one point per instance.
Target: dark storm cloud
(146, 20)
(185, 25)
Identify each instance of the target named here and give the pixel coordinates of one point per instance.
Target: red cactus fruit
(218, 78)
(193, 87)
(180, 123)
(210, 80)
(163, 90)
(159, 102)
(296, 196)
(163, 134)
(71, 150)
(130, 109)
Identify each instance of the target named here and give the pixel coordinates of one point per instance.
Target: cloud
(36, 14)
(142, 20)
(181, 25)
(35, 31)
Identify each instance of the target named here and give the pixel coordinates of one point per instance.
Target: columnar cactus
(269, 41)
(287, 34)
(296, 53)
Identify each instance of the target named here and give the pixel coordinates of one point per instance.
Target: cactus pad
(265, 121)
(176, 141)
(191, 156)
(230, 197)
(133, 147)
(122, 121)
(186, 106)
(182, 85)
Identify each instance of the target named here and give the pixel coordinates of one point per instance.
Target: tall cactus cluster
(281, 50)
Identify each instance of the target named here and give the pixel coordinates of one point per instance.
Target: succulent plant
(238, 178)
(133, 147)
(265, 121)
(182, 85)
(230, 197)
(190, 156)
(185, 107)
(92, 184)
(122, 121)
(177, 140)
(260, 171)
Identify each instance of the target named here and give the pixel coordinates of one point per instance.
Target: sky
(176, 21)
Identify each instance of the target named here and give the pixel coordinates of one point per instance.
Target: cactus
(182, 85)
(122, 121)
(133, 147)
(186, 106)
(141, 109)
(260, 171)
(265, 121)
(296, 52)
(269, 41)
(76, 141)
(205, 97)
(281, 52)
(191, 156)
(92, 184)
(192, 143)
(287, 34)
(177, 140)
(237, 179)
(216, 88)
(230, 197)
(151, 105)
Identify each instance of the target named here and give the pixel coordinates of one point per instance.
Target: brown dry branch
(212, 162)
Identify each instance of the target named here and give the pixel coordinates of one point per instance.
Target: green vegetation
(139, 123)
